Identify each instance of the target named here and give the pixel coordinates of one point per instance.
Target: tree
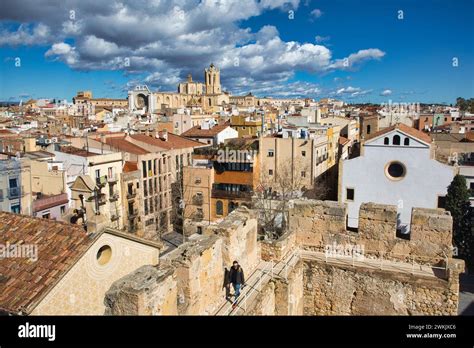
(457, 202)
(274, 191)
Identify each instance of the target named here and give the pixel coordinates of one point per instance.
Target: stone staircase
(263, 273)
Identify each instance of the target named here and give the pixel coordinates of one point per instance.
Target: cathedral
(207, 95)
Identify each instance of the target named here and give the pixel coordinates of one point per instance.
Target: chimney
(164, 135)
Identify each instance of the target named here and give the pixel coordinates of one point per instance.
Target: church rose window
(395, 170)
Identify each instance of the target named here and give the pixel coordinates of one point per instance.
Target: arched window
(232, 206)
(386, 141)
(406, 142)
(368, 129)
(219, 208)
(396, 140)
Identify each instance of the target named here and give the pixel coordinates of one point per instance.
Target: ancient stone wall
(319, 223)
(189, 279)
(150, 290)
(239, 234)
(340, 290)
(276, 250)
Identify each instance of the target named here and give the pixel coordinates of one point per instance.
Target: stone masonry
(188, 280)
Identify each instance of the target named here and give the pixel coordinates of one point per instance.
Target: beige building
(305, 160)
(70, 282)
(208, 96)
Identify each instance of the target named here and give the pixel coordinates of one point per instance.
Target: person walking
(237, 279)
(226, 284)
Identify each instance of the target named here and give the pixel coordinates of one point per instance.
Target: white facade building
(396, 167)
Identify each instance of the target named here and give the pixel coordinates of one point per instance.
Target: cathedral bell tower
(212, 76)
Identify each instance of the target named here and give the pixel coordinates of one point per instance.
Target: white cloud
(316, 13)
(386, 92)
(320, 39)
(165, 40)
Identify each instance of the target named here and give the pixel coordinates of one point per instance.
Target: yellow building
(246, 125)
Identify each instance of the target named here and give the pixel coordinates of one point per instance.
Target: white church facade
(396, 167)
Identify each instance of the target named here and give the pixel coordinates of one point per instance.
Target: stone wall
(189, 279)
(339, 290)
(265, 302)
(289, 293)
(320, 223)
(276, 250)
(150, 290)
(239, 233)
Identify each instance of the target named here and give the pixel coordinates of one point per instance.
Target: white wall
(425, 178)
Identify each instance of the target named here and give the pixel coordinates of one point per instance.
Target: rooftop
(405, 129)
(24, 281)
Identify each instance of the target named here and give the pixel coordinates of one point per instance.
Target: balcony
(197, 216)
(198, 199)
(231, 194)
(131, 195)
(14, 192)
(46, 202)
(100, 182)
(102, 200)
(114, 197)
(114, 217)
(132, 214)
(112, 179)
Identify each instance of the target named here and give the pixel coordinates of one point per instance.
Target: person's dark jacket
(237, 275)
(226, 278)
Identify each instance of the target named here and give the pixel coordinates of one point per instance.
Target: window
(406, 141)
(395, 170)
(303, 153)
(270, 172)
(110, 172)
(104, 254)
(368, 129)
(45, 216)
(97, 174)
(15, 209)
(270, 153)
(349, 194)
(396, 140)
(442, 202)
(303, 174)
(144, 168)
(386, 141)
(219, 208)
(63, 209)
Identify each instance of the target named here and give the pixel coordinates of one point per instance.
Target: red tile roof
(125, 146)
(405, 129)
(198, 132)
(23, 281)
(130, 167)
(76, 151)
(173, 142)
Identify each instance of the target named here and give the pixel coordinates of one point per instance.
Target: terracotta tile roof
(125, 146)
(405, 129)
(24, 282)
(197, 132)
(130, 167)
(343, 140)
(173, 142)
(76, 151)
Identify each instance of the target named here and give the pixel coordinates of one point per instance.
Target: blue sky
(255, 43)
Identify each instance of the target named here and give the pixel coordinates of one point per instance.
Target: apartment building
(95, 181)
(15, 186)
